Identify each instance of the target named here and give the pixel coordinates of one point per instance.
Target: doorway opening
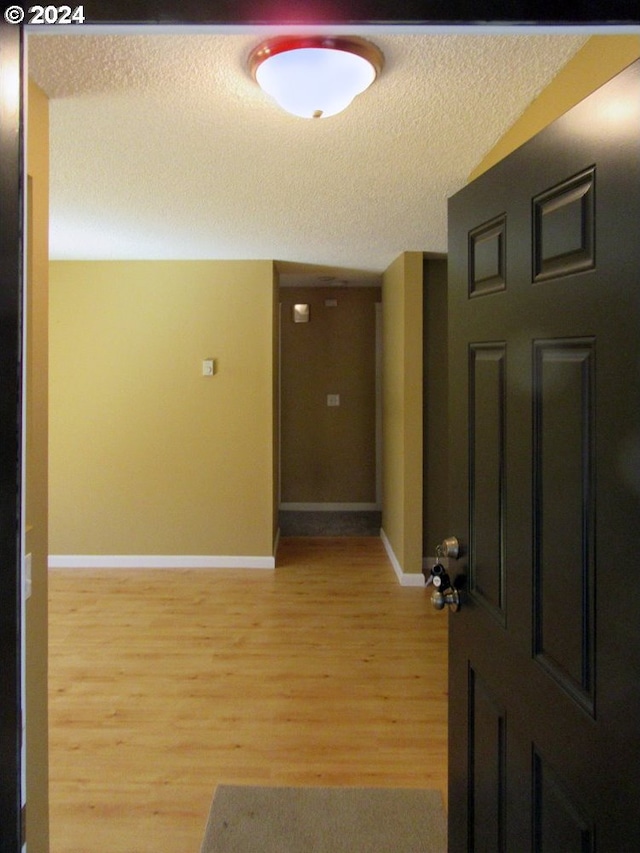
(330, 410)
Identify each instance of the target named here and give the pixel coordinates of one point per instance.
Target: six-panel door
(544, 322)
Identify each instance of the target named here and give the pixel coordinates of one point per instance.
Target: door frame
(242, 13)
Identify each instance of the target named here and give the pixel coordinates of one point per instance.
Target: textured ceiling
(162, 146)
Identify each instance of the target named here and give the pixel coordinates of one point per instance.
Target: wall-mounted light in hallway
(301, 313)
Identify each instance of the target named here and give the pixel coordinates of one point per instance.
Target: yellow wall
(600, 59)
(402, 409)
(148, 457)
(329, 453)
(36, 467)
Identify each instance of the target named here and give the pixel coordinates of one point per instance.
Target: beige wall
(329, 453)
(36, 468)
(601, 58)
(148, 457)
(402, 409)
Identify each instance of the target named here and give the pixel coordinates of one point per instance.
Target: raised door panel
(564, 555)
(487, 757)
(487, 365)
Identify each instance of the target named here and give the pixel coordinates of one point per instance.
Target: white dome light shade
(315, 82)
(315, 78)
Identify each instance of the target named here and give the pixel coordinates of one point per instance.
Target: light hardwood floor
(165, 683)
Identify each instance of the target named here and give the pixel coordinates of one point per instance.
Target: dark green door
(544, 307)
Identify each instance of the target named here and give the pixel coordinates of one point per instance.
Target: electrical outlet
(333, 399)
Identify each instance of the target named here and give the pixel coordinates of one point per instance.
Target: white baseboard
(404, 578)
(152, 561)
(331, 507)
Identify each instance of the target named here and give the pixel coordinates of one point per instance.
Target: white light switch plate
(333, 399)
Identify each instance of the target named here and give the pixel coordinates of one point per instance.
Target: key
(435, 575)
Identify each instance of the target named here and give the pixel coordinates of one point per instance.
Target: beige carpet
(247, 819)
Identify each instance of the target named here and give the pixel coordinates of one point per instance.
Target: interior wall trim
(155, 561)
(276, 544)
(404, 578)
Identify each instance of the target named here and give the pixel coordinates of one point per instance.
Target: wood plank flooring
(165, 683)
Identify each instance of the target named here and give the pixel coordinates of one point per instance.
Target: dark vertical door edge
(10, 424)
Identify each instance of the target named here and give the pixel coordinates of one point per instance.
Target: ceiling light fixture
(315, 76)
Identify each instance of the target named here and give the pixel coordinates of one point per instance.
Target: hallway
(164, 683)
